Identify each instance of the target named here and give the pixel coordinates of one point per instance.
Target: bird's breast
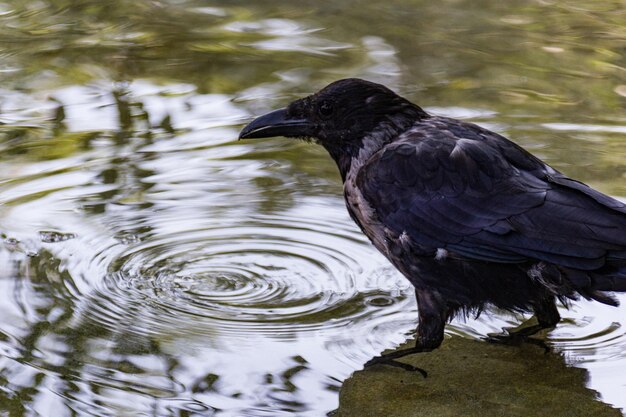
(364, 215)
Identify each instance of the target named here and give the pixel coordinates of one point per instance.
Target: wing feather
(455, 185)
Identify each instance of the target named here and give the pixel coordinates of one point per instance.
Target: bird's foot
(381, 360)
(518, 337)
(390, 360)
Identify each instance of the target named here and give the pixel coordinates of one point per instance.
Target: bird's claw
(381, 360)
(517, 339)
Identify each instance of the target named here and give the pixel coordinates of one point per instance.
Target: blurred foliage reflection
(153, 265)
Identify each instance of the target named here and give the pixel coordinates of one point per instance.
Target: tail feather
(595, 284)
(603, 297)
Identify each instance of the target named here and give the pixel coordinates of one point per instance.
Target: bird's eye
(325, 109)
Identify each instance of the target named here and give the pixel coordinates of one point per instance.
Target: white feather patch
(441, 254)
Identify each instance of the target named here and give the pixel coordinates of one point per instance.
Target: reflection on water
(153, 264)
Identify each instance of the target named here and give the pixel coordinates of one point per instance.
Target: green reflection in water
(197, 262)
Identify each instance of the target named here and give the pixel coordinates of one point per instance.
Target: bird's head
(340, 116)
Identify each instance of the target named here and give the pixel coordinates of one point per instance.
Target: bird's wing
(463, 188)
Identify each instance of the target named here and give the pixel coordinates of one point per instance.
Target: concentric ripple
(263, 275)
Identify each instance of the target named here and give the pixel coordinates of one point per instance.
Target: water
(154, 265)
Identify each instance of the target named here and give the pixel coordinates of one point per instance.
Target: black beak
(276, 123)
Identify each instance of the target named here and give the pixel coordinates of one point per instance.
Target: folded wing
(473, 192)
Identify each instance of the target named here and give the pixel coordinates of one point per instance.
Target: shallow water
(153, 265)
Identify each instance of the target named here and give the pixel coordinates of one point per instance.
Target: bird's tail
(597, 284)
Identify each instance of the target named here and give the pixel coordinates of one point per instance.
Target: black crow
(467, 216)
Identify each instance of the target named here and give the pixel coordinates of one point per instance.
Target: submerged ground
(150, 264)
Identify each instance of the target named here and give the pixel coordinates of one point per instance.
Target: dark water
(153, 265)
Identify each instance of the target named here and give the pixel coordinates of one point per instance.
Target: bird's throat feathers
(353, 153)
(358, 154)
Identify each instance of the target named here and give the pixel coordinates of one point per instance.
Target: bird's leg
(433, 315)
(547, 317)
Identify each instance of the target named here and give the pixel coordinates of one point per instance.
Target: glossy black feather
(454, 185)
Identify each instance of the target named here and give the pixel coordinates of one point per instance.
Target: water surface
(154, 265)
